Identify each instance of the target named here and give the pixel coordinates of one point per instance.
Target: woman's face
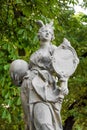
(45, 34)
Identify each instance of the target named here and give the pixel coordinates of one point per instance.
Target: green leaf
(18, 1)
(9, 117)
(4, 114)
(21, 31)
(18, 101)
(6, 67)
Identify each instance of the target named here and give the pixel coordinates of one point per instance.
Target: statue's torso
(42, 58)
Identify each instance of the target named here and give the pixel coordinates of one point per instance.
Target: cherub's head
(46, 32)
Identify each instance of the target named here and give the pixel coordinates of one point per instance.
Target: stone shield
(65, 60)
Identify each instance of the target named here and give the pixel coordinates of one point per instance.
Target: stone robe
(40, 95)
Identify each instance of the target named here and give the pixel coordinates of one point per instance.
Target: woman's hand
(64, 86)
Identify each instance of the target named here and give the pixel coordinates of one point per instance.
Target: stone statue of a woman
(40, 95)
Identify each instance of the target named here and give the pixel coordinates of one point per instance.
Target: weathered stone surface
(40, 95)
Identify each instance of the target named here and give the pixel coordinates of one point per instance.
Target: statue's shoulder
(52, 48)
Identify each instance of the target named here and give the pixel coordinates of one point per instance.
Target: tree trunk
(69, 123)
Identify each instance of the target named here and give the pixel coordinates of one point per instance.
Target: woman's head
(46, 32)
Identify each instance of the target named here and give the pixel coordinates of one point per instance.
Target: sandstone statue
(41, 96)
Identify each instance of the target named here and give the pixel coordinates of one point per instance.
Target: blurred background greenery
(18, 39)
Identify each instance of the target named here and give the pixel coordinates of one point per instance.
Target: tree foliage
(19, 40)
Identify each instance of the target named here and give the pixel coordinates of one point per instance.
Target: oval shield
(65, 59)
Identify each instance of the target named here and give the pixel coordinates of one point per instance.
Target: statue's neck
(45, 44)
